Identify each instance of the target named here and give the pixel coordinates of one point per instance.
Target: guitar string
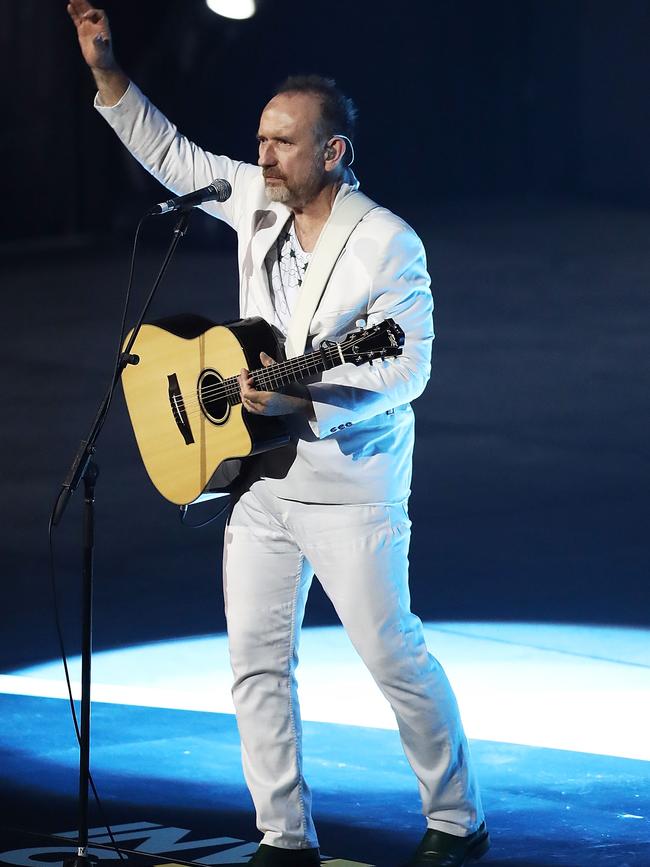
(266, 376)
(271, 377)
(229, 388)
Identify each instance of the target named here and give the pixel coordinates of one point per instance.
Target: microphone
(218, 191)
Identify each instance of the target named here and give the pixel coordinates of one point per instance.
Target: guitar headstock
(379, 341)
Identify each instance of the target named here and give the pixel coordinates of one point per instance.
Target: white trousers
(360, 555)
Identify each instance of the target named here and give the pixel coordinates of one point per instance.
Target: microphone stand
(84, 467)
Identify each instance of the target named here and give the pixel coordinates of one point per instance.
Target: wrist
(111, 83)
(303, 402)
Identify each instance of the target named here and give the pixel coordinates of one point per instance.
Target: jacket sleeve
(399, 289)
(172, 158)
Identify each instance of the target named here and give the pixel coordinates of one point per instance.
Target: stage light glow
(238, 9)
(559, 686)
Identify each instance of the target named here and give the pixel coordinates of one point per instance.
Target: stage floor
(557, 717)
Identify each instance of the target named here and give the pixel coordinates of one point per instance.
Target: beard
(295, 196)
(279, 193)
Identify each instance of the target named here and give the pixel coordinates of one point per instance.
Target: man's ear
(335, 149)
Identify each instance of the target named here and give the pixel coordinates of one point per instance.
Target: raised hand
(94, 34)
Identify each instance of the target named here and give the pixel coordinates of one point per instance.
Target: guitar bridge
(179, 412)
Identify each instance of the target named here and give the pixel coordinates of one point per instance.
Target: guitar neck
(279, 375)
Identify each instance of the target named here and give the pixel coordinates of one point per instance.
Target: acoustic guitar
(183, 394)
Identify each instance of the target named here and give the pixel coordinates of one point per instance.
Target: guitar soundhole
(212, 397)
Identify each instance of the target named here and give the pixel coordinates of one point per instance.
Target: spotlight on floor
(238, 9)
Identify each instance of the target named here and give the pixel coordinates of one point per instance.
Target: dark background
(513, 135)
(455, 97)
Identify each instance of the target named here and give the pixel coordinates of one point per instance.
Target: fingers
(72, 12)
(77, 9)
(247, 391)
(80, 7)
(246, 383)
(266, 360)
(252, 399)
(82, 12)
(96, 16)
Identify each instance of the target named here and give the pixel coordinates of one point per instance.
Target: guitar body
(184, 400)
(185, 427)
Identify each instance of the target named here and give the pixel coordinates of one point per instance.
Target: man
(333, 502)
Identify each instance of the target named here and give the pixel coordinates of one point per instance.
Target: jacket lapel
(267, 223)
(350, 206)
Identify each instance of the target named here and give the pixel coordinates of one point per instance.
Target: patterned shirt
(286, 264)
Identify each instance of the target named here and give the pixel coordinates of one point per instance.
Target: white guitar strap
(333, 238)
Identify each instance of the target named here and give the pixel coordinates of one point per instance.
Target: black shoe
(438, 849)
(274, 856)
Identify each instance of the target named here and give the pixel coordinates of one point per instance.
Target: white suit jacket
(359, 449)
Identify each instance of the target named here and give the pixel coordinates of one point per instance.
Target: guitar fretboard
(276, 376)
